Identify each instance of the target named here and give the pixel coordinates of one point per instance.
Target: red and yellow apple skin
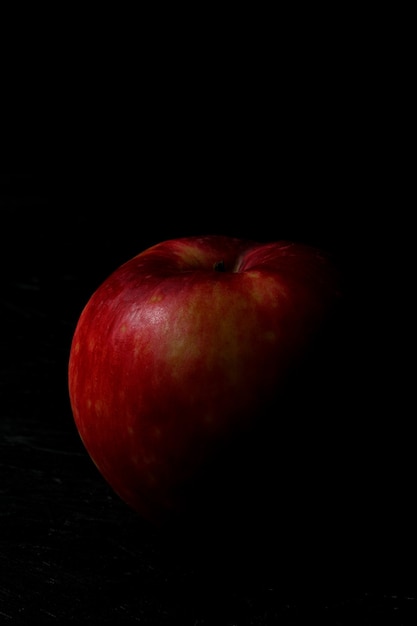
(184, 351)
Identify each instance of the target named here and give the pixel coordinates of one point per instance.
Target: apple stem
(219, 266)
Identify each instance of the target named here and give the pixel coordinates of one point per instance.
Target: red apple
(180, 362)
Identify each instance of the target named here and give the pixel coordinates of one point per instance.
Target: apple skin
(179, 364)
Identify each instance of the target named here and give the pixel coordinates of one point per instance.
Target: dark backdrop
(90, 181)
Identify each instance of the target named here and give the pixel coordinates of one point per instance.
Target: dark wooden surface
(70, 550)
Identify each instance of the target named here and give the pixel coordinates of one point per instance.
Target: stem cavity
(219, 266)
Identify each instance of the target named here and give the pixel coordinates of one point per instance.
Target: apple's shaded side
(203, 376)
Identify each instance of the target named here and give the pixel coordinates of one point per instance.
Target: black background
(106, 159)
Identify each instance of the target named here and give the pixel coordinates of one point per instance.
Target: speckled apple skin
(177, 354)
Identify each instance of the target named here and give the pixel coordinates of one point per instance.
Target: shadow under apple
(289, 499)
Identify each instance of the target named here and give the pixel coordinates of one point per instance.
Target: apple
(192, 372)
